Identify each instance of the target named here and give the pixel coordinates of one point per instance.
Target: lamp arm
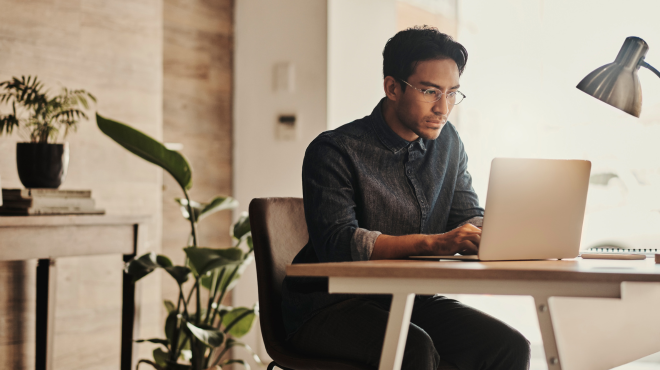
(650, 67)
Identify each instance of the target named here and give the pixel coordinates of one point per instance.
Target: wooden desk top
(564, 270)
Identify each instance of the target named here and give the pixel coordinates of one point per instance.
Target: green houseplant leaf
(179, 273)
(164, 342)
(210, 336)
(149, 149)
(203, 210)
(203, 260)
(238, 321)
(142, 266)
(242, 226)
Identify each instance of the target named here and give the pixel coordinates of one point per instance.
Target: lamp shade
(617, 83)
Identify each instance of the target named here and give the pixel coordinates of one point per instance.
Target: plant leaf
(148, 149)
(153, 364)
(196, 208)
(218, 204)
(210, 336)
(203, 260)
(242, 226)
(169, 306)
(171, 325)
(227, 284)
(177, 366)
(154, 340)
(142, 266)
(240, 319)
(163, 261)
(160, 357)
(179, 273)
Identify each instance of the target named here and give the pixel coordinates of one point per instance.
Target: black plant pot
(42, 165)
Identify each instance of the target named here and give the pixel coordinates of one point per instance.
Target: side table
(47, 238)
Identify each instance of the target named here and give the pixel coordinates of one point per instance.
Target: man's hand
(464, 240)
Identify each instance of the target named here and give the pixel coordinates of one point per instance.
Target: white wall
(269, 32)
(357, 33)
(525, 59)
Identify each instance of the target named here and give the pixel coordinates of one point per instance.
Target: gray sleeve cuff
(476, 221)
(362, 244)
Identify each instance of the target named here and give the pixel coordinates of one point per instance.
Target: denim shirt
(361, 180)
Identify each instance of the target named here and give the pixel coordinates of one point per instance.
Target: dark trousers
(440, 328)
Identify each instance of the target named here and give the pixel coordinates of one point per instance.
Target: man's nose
(441, 106)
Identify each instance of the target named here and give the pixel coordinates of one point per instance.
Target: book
(47, 202)
(5, 211)
(9, 194)
(51, 202)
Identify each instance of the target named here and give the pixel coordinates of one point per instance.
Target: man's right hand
(464, 240)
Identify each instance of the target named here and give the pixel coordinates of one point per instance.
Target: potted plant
(42, 119)
(199, 330)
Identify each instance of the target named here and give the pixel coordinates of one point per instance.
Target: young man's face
(416, 116)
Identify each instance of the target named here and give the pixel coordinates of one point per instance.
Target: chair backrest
(279, 232)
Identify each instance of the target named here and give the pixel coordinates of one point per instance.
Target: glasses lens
(432, 95)
(457, 98)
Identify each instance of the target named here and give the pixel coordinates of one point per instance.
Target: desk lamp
(617, 83)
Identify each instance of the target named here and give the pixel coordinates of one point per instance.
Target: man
(387, 186)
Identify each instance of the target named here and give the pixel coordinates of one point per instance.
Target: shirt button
(422, 200)
(408, 172)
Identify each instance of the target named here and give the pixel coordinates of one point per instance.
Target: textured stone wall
(197, 113)
(113, 49)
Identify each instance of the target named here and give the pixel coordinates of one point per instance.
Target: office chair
(279, 232)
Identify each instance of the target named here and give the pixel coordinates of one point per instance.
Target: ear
(392, 88)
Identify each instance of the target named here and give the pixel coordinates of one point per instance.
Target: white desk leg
(547, 333)
(603, 333)
(397, 331)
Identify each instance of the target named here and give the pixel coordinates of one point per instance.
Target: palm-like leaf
(46, 117)
(149, 149)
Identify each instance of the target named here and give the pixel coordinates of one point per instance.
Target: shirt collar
(387, 136)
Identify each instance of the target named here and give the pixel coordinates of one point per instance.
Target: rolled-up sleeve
(362, 244)
(329, 199)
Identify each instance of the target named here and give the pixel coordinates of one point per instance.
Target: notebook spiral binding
(622, 250)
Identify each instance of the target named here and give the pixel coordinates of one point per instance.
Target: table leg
(547, 333)
(397, 331)
(45, 314)
(129, 322)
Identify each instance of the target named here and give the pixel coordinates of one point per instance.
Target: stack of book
(28, 202)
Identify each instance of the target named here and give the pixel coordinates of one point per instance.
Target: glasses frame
(441, 93)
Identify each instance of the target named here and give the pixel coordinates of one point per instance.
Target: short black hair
(417, 44)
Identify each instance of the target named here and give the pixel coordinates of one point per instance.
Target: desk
(48, 237)
(593, 314)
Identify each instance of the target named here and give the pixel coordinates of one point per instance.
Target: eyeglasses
(433, 95)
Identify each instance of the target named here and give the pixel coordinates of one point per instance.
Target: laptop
(534, 210)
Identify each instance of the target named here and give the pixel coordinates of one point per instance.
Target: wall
(114, 50)
(357, 33)
(442, 14)
(269, 32)
(525, 59)
(197, 113)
